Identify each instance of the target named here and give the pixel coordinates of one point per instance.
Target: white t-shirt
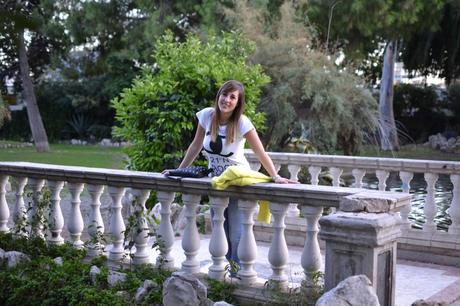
(221, 155)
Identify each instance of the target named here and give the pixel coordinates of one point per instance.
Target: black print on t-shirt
(216, 147)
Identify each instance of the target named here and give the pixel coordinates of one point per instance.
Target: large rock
(185, 290)
(352, 291)
(93, 273)
(115, 277)
(13, 258)
(428, 303)
(143, 290)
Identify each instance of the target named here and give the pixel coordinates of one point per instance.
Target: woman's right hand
(166, 171)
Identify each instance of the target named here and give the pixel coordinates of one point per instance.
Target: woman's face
(228, 102)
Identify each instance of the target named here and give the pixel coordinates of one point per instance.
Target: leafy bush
(157, 113)
(418, 110)
(43, 282)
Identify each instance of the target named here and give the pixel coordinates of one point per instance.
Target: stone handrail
(382, 167)
(311, 199)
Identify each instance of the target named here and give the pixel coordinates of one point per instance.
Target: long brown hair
(232, 125)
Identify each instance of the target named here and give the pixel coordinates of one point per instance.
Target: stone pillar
(358, 174)
(142, 255)
(4, 210)
(247, 248)
(56, 219)
(76, 224)
(218, 246)
(362, 243)
(117, 225)
(191, 237)
(96, 224)
(165, 231)
(20, 210)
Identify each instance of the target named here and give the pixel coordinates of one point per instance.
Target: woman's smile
(228, 101)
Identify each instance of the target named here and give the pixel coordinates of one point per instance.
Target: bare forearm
(192, 152)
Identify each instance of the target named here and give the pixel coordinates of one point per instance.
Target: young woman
(222, 131)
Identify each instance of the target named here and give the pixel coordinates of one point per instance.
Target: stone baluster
(406, 177)
(293, 211)
(430, 204)
(4, 210)
(36, 212)
(314, 173)
(311, 256)
(382, 176)
(19, 213)
(117, 226)
(142, 254)
(165, 231)
(75, 225)
(255, 166)
(278, 253)
(56, 219)
(454, 209)
(96, 224)
(336, 173)
(358, 174)
(218, 246)
(247, 248)
(191, 237)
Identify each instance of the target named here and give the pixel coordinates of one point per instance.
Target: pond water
(443, 197)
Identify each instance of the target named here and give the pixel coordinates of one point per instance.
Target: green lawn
(60, 154)
(114, 158)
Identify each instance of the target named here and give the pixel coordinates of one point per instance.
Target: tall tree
(358, 27)
(437, 51)
(17, 16)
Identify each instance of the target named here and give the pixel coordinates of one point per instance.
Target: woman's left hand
(283, 180)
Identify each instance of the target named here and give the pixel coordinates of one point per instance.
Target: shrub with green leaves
(157, 113)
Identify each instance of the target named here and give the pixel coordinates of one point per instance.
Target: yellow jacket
(242, 176)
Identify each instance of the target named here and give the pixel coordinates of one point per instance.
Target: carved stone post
(314, 173)
(406, 177)
(247, 248)
(278, 253)
(4, 210)
(56, 219)
(311, 255)
(75, 225)
(430, 204)
(454, 209)
(36, 213)
(382, 176)
(117, 225)
(218, 245)
(191, 237)
(142, 254)
(294, 170)
(165, 231)
(96, 224)
(336, 173)
(19, 213)
(358, 174)
(362, 243)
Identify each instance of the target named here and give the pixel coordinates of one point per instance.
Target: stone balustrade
(311, 199)
(429, 236)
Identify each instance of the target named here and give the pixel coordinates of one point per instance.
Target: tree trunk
(33, 113)
(389, 134)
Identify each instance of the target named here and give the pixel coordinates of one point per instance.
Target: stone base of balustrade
(438, 248)
(416, 245)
